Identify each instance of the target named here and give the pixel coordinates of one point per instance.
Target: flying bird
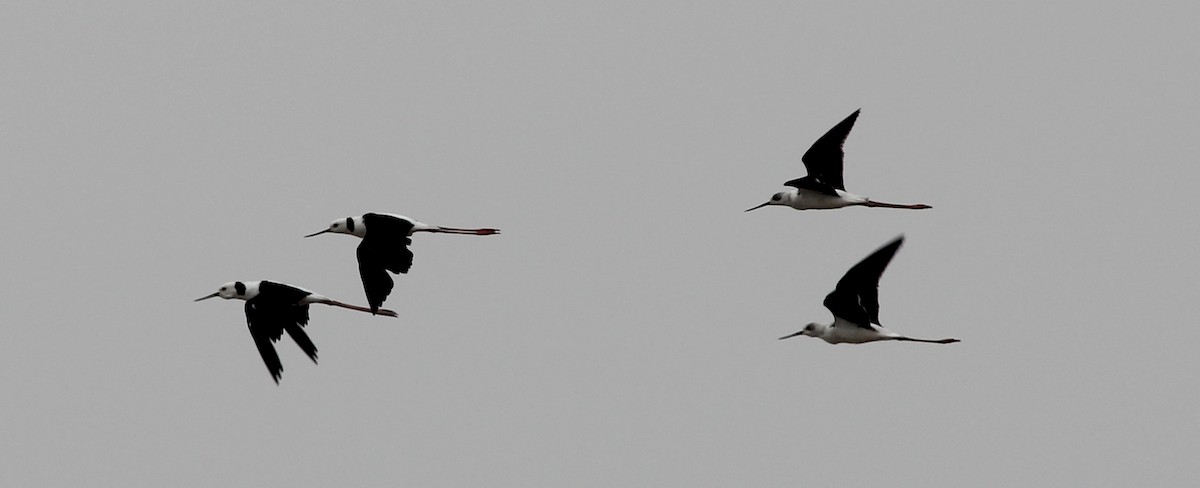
(855, 305)
(823, 187)
(272, 308)
(384, 247)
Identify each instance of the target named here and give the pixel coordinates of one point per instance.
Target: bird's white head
(234, 289)
(781, 198)
(349, 225)
(812, 330)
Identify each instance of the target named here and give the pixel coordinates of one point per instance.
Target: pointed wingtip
(891, 248)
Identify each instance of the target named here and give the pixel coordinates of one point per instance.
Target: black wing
(269, 314)
(280, 294)
(383, 249)
(302, 340)
(824, 159)
(814, 184)
(856, 297)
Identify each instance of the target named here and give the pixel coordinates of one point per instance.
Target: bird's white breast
(846, 332)
(811, 200)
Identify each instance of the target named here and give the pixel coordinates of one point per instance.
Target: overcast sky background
(622, 330)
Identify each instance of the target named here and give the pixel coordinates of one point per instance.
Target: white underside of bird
(801, 199)
(842, 331)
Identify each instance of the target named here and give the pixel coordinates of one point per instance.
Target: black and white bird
(384, 247)
(272, 308)
(823, 187)
(855, 305)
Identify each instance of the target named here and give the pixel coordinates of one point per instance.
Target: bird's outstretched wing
(824, 159)
(856, 297)
(268, 315)
(377, 283)
(265, 333)
(383, 249)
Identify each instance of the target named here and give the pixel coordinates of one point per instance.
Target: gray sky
(622, 330)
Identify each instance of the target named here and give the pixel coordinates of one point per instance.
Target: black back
(383, 249)
(814, 184)
(824, 159)
(856, 297)
(277, 308)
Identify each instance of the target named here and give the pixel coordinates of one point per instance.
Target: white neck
(360, 227)
(251, 290)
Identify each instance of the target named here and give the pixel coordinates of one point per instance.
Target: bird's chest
(850, 335)
(808, 199)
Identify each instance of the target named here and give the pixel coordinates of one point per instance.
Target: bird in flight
(272, 308)
(823, 188)
(384, 247)
(855, 305)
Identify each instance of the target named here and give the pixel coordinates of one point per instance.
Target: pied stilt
(823, 187)
(272, 308)
(855, 305)
(384, 247)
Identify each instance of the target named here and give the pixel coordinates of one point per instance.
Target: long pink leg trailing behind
(930, 341)
(454, 230)
(382, 311)
(915, 206)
